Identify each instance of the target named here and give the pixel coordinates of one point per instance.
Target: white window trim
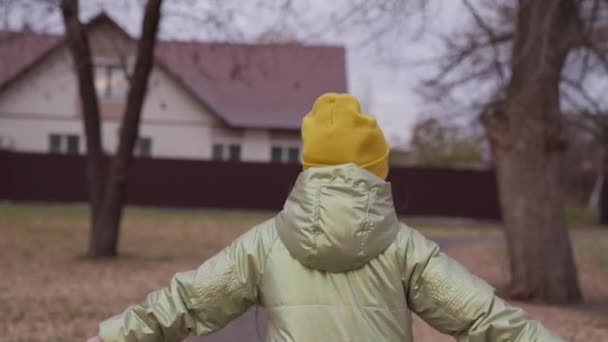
(225, 153)
(285, 151)
(103, 94)
(64, 142)
(137, 148)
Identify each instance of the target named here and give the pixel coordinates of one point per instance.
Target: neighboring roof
(247, 85)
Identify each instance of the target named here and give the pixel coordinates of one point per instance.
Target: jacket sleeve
(455, 302)
(198, 301)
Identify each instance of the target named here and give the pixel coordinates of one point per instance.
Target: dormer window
(111, 82)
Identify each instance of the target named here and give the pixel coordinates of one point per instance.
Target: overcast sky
(383, 49)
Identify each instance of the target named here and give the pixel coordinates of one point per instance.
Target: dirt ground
(584, 322)
(49, 292)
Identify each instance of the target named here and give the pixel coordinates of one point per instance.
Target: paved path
(249, 327)
(242, 329)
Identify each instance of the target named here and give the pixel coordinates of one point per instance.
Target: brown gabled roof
(246, 85)
(265, 86)
(19, 50)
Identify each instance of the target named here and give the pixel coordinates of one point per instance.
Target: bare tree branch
(580, 90)
(464, 52)
(491, 37)
(600, 54)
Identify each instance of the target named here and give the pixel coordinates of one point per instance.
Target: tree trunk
(596, 191)
(525, 132)
(116, 186)
(603, 205)
(78, 44)
(108, 191)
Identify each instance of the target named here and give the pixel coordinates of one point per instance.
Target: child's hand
(94, 339)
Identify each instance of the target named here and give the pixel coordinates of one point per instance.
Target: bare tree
(524, 126)
(107, 177)
(529, 61)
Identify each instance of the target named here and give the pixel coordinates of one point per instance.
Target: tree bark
(110, 215)
(603, 205)
(108, 190)
(525, 132)
(78, 44)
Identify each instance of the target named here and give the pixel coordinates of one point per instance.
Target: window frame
(64, 143)
(296, 157)
(217, 152)
(72, 144)
(143, 147)
(234, 152)
(276, 154)
(105, 74)
(227, 152)
(55, 143)
(285, 154)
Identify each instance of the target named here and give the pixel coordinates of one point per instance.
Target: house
(205, 100)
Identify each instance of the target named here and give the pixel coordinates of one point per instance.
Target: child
(335, 264)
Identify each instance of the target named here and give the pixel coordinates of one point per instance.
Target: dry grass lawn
(49, 292)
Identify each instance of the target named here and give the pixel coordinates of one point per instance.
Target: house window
(218, 152)
(280, 154)
(293, 155)
(143, 147)
(111, 82)
(6, 143)
(73, 144)
(230, 152)
(64, 143)
(276, 154)
(235, 152)
(55, 143)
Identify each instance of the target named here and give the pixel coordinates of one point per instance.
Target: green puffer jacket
(334, 265)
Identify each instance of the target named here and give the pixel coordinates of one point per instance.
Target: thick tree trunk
(108, 191)
(541, 261)
(526, 137)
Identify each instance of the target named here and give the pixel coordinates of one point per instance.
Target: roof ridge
(253, 44)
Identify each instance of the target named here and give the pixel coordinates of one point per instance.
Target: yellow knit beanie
(336, 132)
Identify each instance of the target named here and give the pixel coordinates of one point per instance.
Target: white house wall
(168, 103)
(186, 142)
(32, 135)
(44, 101)
(256, 146)
(45, 91)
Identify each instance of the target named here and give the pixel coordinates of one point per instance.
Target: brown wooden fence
(188, 183)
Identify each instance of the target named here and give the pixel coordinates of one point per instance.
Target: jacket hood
(338, 218)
